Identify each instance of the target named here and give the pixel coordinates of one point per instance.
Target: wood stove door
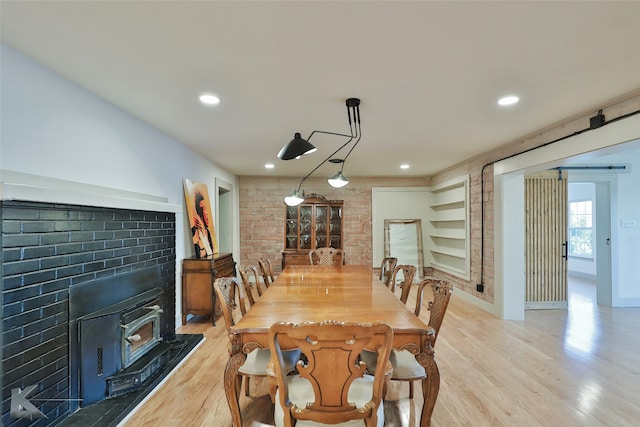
(100, 355)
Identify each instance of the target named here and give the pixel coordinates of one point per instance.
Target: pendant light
(294, 199)
(338, 180)
(299, 146)
(296, 148)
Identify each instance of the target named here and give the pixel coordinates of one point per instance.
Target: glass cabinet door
(306, 213)
(322, 226)
(335, 227)
(291, 228)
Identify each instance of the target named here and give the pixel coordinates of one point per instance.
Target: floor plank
(576, 367)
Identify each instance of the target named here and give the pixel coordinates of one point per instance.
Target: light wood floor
(576, 367)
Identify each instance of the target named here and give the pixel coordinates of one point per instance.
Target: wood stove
(140, 333)
(114, 323)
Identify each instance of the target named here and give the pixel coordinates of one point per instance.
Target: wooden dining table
(349, 293)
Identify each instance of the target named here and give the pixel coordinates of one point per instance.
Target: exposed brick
(38, 226)
(38, 277)
(39, 266)
(20, 267)
(9, 255)
(54, 238)
(19, 240)
(53, 214)
(11, 227)
(68, 248)
(54, 261)
(38, 252)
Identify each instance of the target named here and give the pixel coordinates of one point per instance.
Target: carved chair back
(386, 269)
(442, 291)
(330, 368)
(325, 255)
(266, 271)
(227, 290)
(247, 274)
(408, 273)
(269, 269)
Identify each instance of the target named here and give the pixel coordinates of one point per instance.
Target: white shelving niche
(449, 228)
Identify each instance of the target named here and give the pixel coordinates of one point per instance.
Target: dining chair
(386, 269)
(325, 255)
(266, 271)
(228, 290)
(408, 273)
(331, 386)
(247, 274)
(405, 366)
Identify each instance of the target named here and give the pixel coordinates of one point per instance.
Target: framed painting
(203, 232)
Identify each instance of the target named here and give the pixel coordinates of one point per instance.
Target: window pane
(580, 228)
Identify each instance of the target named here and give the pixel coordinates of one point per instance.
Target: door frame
(605, 209)
(509, 198)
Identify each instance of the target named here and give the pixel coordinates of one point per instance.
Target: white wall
(397, 203)
(53, 128)
(625, 224)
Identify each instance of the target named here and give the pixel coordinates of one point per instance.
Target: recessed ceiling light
(209, 99)
(508, 100)
(404, 166)
(269, 166)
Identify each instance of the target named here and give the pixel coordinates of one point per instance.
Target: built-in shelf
(449, 228)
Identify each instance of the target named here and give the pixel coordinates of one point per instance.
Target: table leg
(232, 384)
(430, 384)
(430, 389)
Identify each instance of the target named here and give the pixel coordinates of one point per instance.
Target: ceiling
(428, 73)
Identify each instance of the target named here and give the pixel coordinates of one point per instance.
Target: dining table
(349, 293)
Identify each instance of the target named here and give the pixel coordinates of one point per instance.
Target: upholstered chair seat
(301, 392)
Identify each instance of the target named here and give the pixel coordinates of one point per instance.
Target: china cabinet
(315, 223)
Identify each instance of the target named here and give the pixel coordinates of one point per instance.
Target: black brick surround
(49, 248)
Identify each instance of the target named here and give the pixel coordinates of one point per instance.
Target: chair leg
(238, 386)
(246, 386)
(410, 389)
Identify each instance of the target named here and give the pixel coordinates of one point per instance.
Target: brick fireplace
(49, 252)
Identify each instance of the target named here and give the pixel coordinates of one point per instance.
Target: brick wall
(262, 212)
(46, 249)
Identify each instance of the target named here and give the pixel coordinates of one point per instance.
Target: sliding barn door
(546, 240)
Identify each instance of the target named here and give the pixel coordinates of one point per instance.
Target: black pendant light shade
(296, 148)
(299, 146)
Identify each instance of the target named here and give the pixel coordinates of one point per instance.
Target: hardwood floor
(576, 367)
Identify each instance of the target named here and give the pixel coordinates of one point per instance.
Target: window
(580, 228)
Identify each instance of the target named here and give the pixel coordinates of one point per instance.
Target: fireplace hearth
(112, 411)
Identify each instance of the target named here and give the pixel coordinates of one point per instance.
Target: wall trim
(35, 188)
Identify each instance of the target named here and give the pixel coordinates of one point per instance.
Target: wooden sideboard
(198, 275)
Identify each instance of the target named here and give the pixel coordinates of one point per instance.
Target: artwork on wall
(200, 220)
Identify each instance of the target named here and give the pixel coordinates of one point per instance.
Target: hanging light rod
(339, 180)
(299, 146)
(565, 168)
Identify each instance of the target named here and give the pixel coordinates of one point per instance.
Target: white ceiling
(428, 73)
